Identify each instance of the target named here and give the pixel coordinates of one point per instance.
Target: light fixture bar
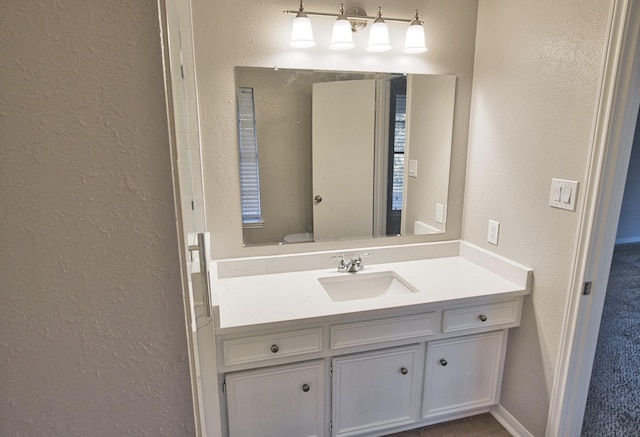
(350, 17)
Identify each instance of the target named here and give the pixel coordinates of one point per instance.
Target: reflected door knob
(305, 388)
(317, 199)
(482, 317)
(404, 370)
(443, 362)
(274, 348)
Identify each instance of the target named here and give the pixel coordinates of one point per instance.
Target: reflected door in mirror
(343, 129)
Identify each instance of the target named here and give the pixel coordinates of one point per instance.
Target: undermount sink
(352, 286)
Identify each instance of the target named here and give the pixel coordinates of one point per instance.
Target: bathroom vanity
(296, 359)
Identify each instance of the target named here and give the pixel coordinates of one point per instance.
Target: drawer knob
(404, 370)
(274, 348)
(305, 388)
(443, 362)
(482, 317)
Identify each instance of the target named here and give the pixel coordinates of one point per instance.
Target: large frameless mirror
(328, 155)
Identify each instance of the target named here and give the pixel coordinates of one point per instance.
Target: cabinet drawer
(480, 316)
(265, 347)
(376, 331)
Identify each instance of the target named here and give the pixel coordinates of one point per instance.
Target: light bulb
(301, 32)
(341, 37)
(379, 35)
(414, 41)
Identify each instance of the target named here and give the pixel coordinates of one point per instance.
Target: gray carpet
(613, 404)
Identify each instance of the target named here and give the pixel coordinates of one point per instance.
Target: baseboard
(509, 422)
(627, 240)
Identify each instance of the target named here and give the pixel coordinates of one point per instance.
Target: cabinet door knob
(443, 362)
(404, 370)
(482, 317)
(305, 388)
(274, 348)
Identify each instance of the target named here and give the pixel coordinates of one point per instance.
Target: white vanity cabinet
(463, 373)
(292, 362)
(376, 391)
(366, 374)
(280, 401)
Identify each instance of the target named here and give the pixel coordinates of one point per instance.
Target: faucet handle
(342, 265)
(356, 263)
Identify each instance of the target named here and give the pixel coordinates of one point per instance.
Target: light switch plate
(563, 194)
(493, 231)
(413, 168)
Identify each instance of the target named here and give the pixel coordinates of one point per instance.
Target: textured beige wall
(256, 33)
(536, 78)
(92, 330)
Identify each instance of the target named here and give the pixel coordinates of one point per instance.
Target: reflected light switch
(566, 194)
(413, 168)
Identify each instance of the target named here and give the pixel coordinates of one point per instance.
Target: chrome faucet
(354, 264)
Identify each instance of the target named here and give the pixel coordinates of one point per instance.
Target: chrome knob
(482, 317)
(305, 388)
(318, 199)
(274, 348)
(404, 370)
(443, 362)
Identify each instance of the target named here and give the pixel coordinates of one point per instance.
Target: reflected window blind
(249, 174)
(399, 140)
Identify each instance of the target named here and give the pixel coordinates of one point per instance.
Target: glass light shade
(414, 41)
(301, 32)
(341, 37)
(379, 37)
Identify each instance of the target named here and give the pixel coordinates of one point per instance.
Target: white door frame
(198, 325)
(182, 242)
(612, 140)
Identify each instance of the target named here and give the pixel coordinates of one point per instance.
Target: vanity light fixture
(351, 21)
(301, 32)
(341, 36)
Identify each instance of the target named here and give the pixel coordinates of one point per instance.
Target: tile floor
(482, 425)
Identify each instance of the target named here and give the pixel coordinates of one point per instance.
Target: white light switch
(413, 168)
(563, 194)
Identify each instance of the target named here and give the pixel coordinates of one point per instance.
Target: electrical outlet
(494, 230)
(441, 213)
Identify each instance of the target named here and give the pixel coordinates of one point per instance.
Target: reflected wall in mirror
(340, 155)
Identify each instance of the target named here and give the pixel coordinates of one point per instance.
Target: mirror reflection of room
(328, 156)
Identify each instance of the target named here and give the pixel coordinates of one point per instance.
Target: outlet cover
(493, 231)
(441, 213)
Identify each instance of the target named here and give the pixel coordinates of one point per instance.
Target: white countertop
(278, 297)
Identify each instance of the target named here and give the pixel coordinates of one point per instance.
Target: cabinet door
(376, 390)
(462, 373)
(282, 401)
